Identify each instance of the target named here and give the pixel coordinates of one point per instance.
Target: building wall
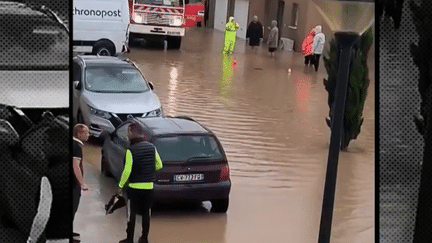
(302, 26)
(256, 7)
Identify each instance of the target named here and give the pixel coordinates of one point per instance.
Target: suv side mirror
(151, 85)
(77, 85)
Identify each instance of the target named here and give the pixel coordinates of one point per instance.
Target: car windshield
(31, 39)
(175, 3)
(187, 147)
(114, 79)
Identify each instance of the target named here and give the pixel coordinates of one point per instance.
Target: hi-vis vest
(141, 162)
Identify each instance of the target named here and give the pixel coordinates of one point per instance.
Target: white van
(100, 27)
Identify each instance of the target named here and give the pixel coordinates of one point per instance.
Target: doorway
(280, 16)
(220, 19)
(241, 13)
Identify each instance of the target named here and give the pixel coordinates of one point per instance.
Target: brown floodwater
(269, 115)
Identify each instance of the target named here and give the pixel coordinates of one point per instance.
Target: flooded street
(269, 116)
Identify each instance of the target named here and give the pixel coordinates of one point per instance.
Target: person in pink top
(307, 47)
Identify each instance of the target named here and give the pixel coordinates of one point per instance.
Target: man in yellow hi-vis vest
(230, 36)
(141, 163)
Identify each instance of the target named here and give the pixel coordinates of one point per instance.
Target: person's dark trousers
(139, 202)
(316, 61)
(76, 199)
(309, 59)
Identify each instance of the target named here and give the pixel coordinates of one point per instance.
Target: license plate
(189, 177)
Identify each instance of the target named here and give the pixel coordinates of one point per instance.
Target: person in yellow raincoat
(230, 36)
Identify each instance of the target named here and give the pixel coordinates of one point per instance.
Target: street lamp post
(348, 20)
(346, 41)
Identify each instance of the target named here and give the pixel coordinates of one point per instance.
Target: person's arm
(158, 161)
(126, 170)
(78, 173)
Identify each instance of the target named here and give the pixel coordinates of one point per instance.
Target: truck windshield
(174, 3)
(114, 79)
(31, 39)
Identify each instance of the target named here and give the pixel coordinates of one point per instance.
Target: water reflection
(172, 87)
(302, 86)
(227, 74)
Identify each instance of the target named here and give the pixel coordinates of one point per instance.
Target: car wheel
(103, 48)
(219, 205)
(104, 166)
(174, 42)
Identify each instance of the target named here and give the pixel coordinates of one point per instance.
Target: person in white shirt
(318, 45)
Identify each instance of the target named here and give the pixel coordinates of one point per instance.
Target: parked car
(195, 166)
(107, 90)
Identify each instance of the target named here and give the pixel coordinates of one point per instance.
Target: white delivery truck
(100, 27)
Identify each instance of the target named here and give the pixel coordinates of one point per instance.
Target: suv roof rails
(181, 117)
(191, 119)
(185, 117)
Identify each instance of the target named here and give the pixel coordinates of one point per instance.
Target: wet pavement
(269, 115)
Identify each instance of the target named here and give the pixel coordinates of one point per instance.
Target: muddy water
(269, 115)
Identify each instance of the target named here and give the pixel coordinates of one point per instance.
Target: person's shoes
(76, 241)
(75, 234)
(126, 241)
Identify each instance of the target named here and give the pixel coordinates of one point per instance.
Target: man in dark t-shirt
(80, 135)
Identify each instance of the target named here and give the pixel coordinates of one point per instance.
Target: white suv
(106, 90)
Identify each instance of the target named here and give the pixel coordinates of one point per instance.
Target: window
(114, 79)
(184, 147)
(294, 16)
(41, 44)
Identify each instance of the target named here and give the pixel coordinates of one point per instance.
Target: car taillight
(225, 174)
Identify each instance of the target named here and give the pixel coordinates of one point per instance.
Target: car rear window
(112, 79)
(31, 40)
(185, 147)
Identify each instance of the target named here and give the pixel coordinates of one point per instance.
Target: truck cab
(158, 20)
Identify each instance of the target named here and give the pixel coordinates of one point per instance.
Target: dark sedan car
(195, 166)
